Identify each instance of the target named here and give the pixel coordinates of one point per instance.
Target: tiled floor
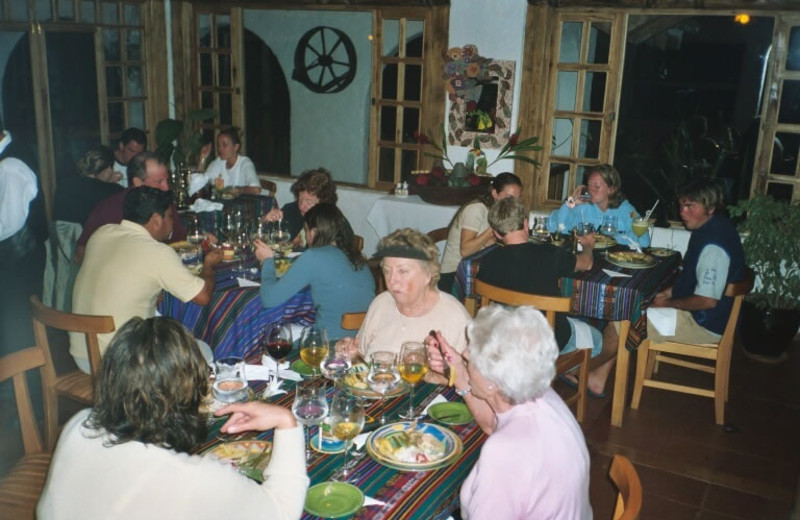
(692, 469)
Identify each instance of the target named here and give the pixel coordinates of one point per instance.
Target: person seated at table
(713, 259)
(412, 305)
(605, 200)
(470, 232)
(535, 463)
(131, 143)
(132, 454)
(145, 169)
(310, 189)
(236, 171)
(94, 180)
(334, 269)
(126, 267)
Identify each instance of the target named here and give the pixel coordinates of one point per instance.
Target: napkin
(664, 319)
(244, 282)
(360, 439)
(583, 334)
(257, 373)
(269, 364)
(369, 501)
(438, 399)
(633, 244)
(273, 388)
(615, 274)
(201, 205)
(197, 182)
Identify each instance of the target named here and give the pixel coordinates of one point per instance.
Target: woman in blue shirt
(605, 200)
(336, 271)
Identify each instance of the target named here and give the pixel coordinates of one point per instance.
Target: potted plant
(179, 143)
(771, 314)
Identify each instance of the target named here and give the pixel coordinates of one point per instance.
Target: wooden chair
(268, 185)
(358, 241)
(21, 487)
(550, 305)
(75, 384)
(352, 320)
(438, 234)
(629, 496)
(650, 353)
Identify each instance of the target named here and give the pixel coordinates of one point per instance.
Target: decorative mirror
(480, 91)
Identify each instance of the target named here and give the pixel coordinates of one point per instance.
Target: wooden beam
(652, 5)
(325, 4)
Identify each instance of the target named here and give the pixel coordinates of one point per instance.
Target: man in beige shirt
(127, 265)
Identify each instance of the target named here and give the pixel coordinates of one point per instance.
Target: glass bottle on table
(413, 365)
(383, 376)
(347, 421)
(314, 347)
(310, 407)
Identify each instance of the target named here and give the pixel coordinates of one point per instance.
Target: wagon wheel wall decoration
(324, 60)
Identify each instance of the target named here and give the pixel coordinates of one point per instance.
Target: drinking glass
(335, 365)
(639, 226)
(230, 383)
(383, 375)
(347, 421)
(261, 231)
(277, 343)
(280, 235)
(228, 226)
(314, 346)
(609, 226)
(194, 231)
(413, 366)
(244, 247)
(540, 231)
(310, 407)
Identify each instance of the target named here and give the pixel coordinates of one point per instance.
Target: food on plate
(661, 251)
(631, 257)
(244, 454)
(357, 378)
(411, 446)
(601, 241)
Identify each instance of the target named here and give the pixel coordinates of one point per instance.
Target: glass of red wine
(277, 344)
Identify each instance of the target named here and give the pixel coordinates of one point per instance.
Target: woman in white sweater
(130, 455)
(236, 171)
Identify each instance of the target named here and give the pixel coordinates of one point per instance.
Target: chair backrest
(268, 185)
(550, 305)
(629, 496)
(90, 326)
(737, 291)
(15, 366)
(358, 241)
(438, 234)
(352, 320)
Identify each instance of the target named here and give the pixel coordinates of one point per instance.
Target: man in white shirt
(132, 141)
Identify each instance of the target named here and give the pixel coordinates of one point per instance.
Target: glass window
(410, 124)
(133, 44)
(389, 81)
(590, 138)
(559, 182)
(132, 15)
(414, 38)
(223, 31)
(19, 11)
(599, 42)
(388, 123)
(204, 30)
(114, 81)
(136, 114)
(566, 90)
(109, 10)
(780, 190)
(88, 13)
(44, 11)
(224, 70)
(789, 110)
(116, 119)
(391, 37)
(111, 50)
(206, 70)
(66, 10)
(793, 54)
(785, 151)
(594, 92)
(225, 109)
(386, 165)
(562, 137)
(413, 80)
(135, 82)
(408, 162)
(570, 42)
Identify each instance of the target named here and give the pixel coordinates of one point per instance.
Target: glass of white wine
(413, 366)
(314, 347)
(347, 421)
(383, 375)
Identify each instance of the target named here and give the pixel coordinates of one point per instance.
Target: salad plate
(410, 446)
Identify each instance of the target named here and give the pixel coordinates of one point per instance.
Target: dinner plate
(301, 368)
(355, 382)
(450, 413)
(631, 260)
(383, 445)
(603, 241)
(243, 454)
(662, 252)
(333, 499)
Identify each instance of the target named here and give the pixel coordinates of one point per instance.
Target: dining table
(252, 207)
(408, 495)
(233, 322)
(596, 294)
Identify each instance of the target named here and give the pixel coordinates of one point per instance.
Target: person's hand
(262, 250)
(347, 347)
(451, 355)
(211, 238)
(575, 199)
(255, 416)
(274, 215)
(213, 258)
(660, 299)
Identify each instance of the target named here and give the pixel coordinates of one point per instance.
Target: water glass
(540, 231)
(230, 383)
(194, 230)
(383, 375)
(335, 365)
(609, 226)
(310, 407)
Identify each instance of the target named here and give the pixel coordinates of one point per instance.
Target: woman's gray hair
(418, 244)
(515, 349)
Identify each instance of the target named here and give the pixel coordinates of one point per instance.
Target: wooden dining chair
(358, 242)
(74, 384)
(438, 234)
(629, 489)
(21, 487)
(719, 354)
(353, 320)
(268, 185)
(549, 305)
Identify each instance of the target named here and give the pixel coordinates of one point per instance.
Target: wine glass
(228, 226)
(261, 230)
(540, 230)
(347, 421)
(244, 247)
(277, 343)
(609, 226)
(280, 235)
(314, 346)
(413, 366)
(310, 407)
(383, 375)
(194, 231)
(335, 365)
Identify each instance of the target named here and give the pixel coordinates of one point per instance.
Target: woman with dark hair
(123, 457)
(470, 231)
(237, 171)
(336, 271)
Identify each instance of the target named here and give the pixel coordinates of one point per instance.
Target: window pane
(391, 37)
(789, 111)
(114, 81)
(133, 44)
(207, 100)
(389, 81)
(206, 72)
(388, 123)
(43, 11)
(132, 16)
(19, 11)
(780, 191)
(562, 137)
(414, 38)
(116, 121)
(135, 82)
(793, 56)
(410, 124)
(590, 138)
(386, 165)
(784, 153)
(136, 114)
(570, 42)
(223, 31)
(580, 174)
(87, 11)
(558, 182)
(566, 90)
(408, 162)
(111, 45)
(594, 92)
(413, 87)
(203, 30)
(225, 109)
(109, 13)
(224, 70)
(66, 10)
(599, 41)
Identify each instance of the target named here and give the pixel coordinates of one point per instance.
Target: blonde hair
(611, 177)
(413, 239)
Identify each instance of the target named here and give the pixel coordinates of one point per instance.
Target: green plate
(301, 368)
(333, 499)
(450, 413)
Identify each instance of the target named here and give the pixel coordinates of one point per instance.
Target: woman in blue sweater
(337, 273)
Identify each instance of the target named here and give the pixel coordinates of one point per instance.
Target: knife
(445, 367)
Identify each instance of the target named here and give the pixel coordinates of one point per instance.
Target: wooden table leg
(621, 376)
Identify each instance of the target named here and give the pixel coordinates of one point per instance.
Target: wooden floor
(690, 468)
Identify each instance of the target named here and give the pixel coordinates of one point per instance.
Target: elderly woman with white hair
(535, 463)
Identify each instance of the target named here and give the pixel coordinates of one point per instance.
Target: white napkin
(615, 274)
(197, 182)
(201, 205)
(273, 388)
(438, 399)
(244, 282)
(583, 334)
(633, 244)
(257, 373)
(269, 364)
(369, 501)
(664, 319)
(360, 439)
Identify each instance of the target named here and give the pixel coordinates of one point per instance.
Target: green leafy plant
(180, 142)
(772, 249)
